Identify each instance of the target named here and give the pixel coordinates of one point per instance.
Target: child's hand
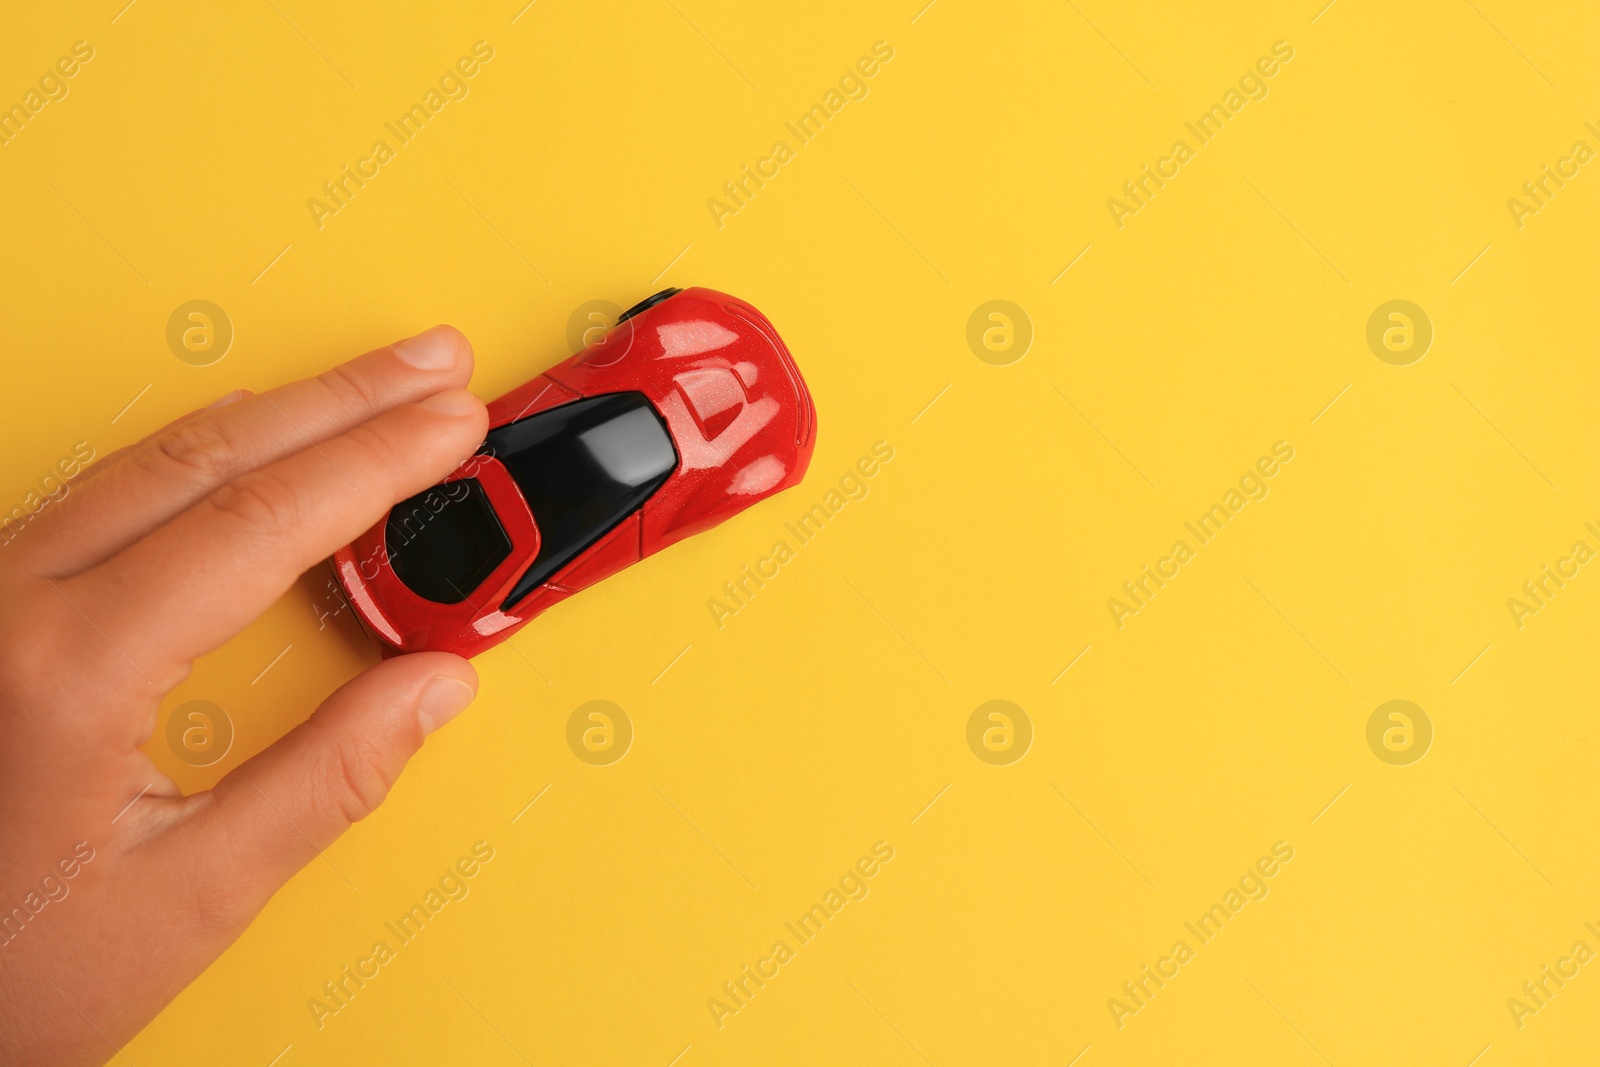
(158, 554)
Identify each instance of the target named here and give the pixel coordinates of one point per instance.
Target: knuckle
(260, 500)
(352, 387)
(375, 446)
(40, 625)
(31, 634)
(358, 781)
(199, 448)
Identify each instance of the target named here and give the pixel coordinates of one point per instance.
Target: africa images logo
(1252, 885)
(739, 991)
(1252, 85)
(453, 885)
(738, 192)
(452, 85)
(852, 486)
(1252, 486)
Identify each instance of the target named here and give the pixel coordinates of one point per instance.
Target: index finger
(125, 496)
(191, 584)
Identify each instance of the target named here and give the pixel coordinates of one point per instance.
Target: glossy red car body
(741, 423)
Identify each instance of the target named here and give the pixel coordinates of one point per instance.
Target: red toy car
(687, 412)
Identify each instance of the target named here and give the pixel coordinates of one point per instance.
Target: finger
(126, 496)
(96, 465)
(101, 464)
(191, 584)
(275, 813)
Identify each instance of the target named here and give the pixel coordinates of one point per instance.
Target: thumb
(276, 812)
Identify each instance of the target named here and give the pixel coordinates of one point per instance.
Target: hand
(158, 554)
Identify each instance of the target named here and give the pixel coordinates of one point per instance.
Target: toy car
(687, 412)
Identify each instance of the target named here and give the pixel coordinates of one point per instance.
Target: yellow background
(826, 715)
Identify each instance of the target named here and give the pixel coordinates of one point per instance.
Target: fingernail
(455, 403)
(446, 697)
(225, 400)
(433, 349)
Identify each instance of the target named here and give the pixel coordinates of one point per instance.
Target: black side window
(583, 467)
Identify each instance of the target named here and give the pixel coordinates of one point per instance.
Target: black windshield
(583, 467)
